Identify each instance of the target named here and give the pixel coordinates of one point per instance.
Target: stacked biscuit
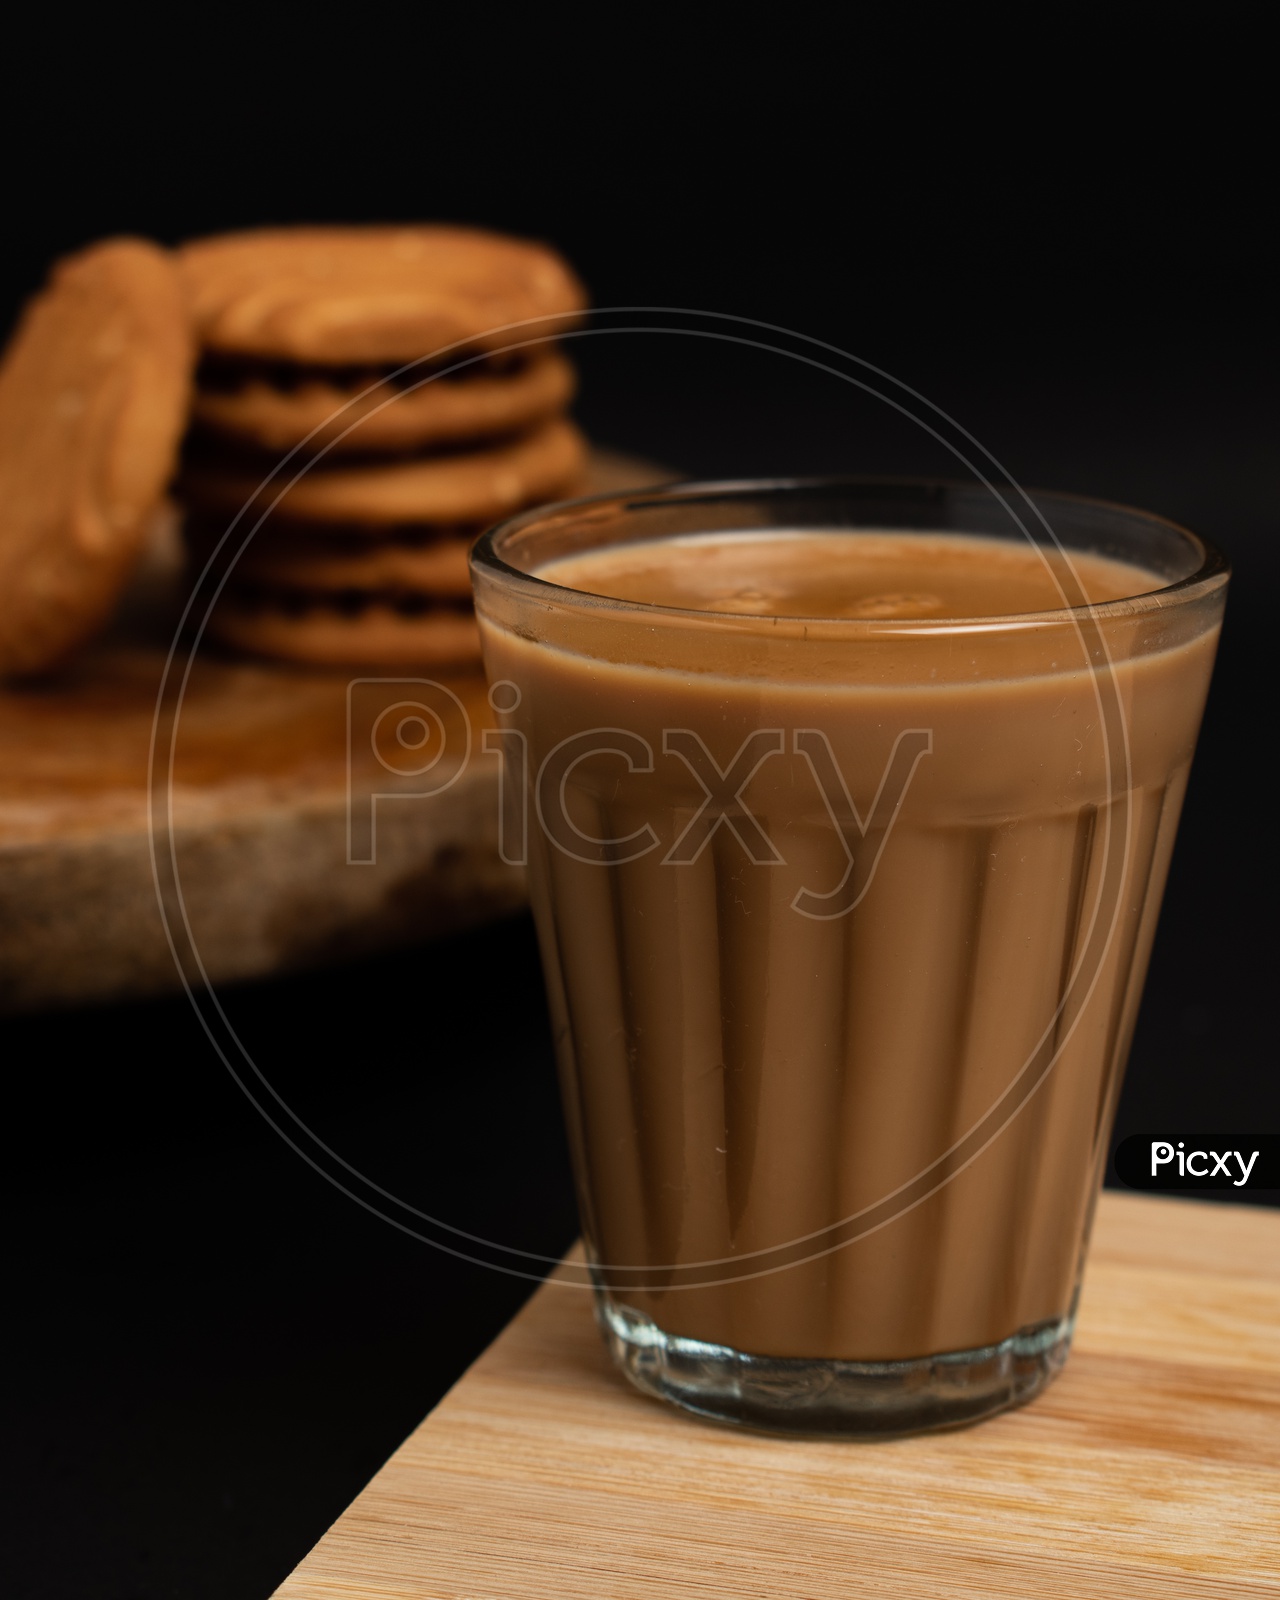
(367, 401)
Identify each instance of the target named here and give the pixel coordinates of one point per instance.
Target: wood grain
(1150, 1468)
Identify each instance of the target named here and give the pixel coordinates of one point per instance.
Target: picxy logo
(1185, 1165)
(411, 738)
(1162, 1152)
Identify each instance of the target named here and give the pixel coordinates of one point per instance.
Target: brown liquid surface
(827, 575)
(920, 1089)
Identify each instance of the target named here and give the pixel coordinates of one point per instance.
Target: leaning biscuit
(370, 294)
(477, 487)
(375, 634)
(419, 408)
(93, 401)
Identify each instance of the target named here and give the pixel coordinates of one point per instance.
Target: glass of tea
(847, 809)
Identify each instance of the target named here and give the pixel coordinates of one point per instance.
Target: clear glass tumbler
(844, 916)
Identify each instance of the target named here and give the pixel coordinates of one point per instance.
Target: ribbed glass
(836, 1169)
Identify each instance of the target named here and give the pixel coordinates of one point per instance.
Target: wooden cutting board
(252, 834)
(1151, 1468)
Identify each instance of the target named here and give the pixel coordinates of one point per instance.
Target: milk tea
(846, 850)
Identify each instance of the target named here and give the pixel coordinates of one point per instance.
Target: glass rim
(1211, 572)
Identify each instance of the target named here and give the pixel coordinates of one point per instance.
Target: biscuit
(93, 398)
(369, 294)
(477, 487)
(371, 633)
(438, 567)
(366, 412)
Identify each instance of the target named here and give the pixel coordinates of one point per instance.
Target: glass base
(854, 1399)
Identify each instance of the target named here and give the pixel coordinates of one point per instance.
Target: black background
(1063, 242)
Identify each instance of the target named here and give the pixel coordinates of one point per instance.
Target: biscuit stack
(368, 398)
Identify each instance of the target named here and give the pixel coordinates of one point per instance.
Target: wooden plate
(252, 834)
